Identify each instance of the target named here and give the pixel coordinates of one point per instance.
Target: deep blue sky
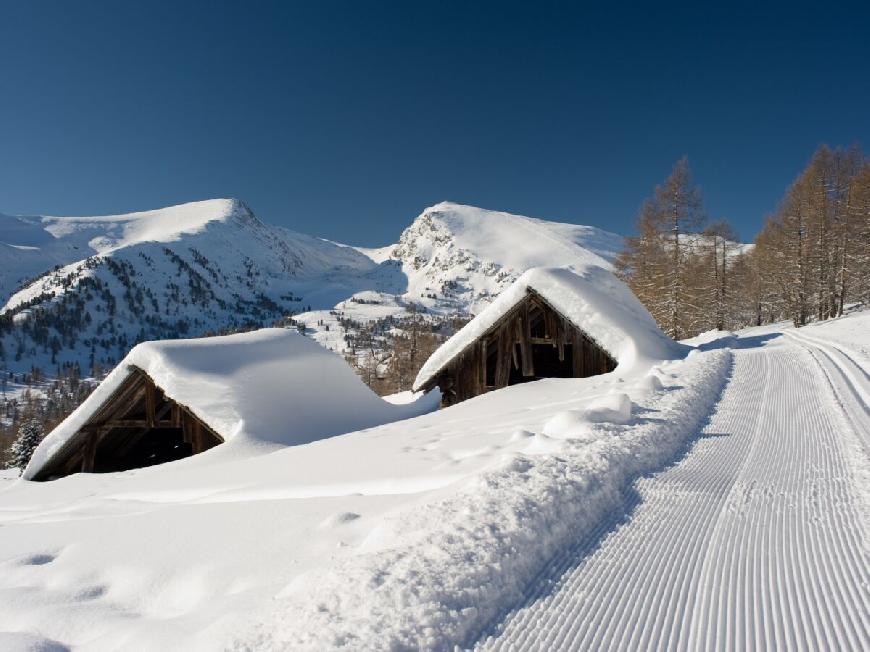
(346, 119)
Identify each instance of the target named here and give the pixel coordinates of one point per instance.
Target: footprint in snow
(90, 593)
(338, 519)
(37, 560)
(520, 434)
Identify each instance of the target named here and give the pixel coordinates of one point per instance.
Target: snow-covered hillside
(33, 245)
(714, 502)
(184, 270)
(106, 283)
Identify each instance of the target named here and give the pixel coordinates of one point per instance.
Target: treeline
(388, 353)
(808, 262)
(44, 403)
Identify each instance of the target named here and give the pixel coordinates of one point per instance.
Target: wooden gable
(530, 341)
(137, 426)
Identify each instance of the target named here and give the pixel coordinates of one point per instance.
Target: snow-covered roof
(592, 299)
(271, 386)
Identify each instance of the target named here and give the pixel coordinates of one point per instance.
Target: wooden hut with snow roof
(173, 399)
(137, 425)
(551, 323)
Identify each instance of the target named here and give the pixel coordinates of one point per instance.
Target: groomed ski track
(755, 539)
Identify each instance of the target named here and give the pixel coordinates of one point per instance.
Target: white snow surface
(591, 298)
(718, 501)
(756, 539)
(260, 389)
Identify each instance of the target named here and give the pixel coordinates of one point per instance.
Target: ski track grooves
(848, 380)
(755, 540)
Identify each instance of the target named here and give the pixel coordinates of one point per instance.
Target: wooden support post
(197, 436)
(499, 361)
(577, 354)
(150, 403)
(483, 355)
(187, 430)
(504, 347)
(549, 325)
(525, 347)
(89, 453)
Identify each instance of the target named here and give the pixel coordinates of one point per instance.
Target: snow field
(757, 539)
(554, 514)
(415, 586)
(191, 555)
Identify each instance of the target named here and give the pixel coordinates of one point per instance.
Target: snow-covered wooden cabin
(551, 323)
(248, 392)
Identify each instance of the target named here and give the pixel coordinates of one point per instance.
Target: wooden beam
(196, 436)
(481, 366)
(187, 428)
(150, 403)
(118, 447)
(577, 354)
(506, 350)
(137, 423)
(524, 334)
(89, 453)
(119, 404)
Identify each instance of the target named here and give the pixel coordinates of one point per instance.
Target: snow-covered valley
(717, 501)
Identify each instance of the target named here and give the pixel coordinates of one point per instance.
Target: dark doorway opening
(156, 446)
(547, 363)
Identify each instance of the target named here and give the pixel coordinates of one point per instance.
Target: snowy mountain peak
(471, 253)
(91, 287)
(161, 225)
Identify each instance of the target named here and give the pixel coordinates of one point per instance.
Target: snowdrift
(592, 299)
(257, 390)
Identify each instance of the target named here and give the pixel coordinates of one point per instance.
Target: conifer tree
(30, 433)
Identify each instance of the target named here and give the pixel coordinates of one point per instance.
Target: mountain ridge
(108, 282)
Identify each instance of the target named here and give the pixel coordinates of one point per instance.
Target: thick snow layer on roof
(260, 389)
(594, 300)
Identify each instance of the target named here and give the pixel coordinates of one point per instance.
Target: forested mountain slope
(183, 270)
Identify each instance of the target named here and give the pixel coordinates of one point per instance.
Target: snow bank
(574, 424)
(593, 299)
(271, 386)
(431, 588)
